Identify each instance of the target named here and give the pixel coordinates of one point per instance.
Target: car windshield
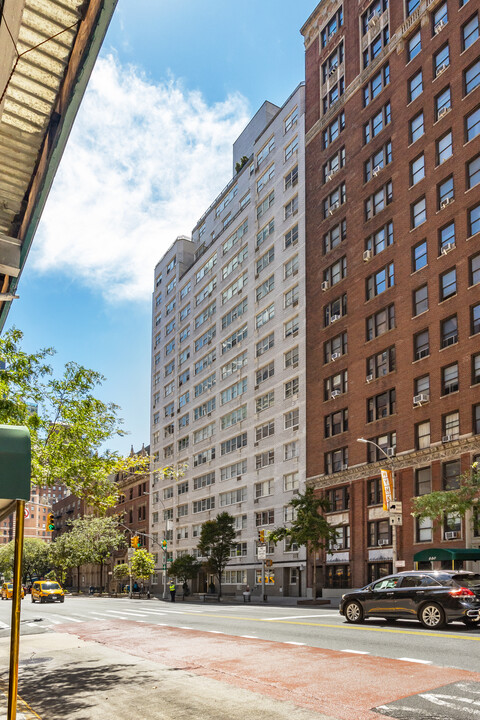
(467, 580)
(50, 586)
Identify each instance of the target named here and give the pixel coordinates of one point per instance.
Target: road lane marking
(415, 660)
(250, 637)
(217, 632)
(67, 617)
(289, 617)
(125, 612)
(292, 642)
(356, 652)
(3, 626)
(184, 627)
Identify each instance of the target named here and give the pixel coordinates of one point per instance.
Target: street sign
(396, 520)
(262, 552)
(396, 507)
(400, 563)
(27, 513)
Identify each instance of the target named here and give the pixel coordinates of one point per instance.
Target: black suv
(435, 597)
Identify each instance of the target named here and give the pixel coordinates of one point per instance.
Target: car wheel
(42, 600)
(62, 599)
(354, 612)
(33, 599)
(432, 616)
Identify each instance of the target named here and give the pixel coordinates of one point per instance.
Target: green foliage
(142, 564)
(121, 571)
(436, 505)
(239, 165)
(35, 562)
(68, 425)
(185, 568)
(217, 538)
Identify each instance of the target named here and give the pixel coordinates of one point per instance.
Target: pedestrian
(186, 590)
(247, 594)
(172, 589)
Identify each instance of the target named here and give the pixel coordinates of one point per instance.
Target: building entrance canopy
(447, 554)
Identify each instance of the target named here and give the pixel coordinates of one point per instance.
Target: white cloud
(142, 164)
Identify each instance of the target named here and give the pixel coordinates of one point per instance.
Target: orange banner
(387, 488)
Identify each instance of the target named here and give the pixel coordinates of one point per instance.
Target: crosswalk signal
(50, 522)
(134, 541)
(261, 536)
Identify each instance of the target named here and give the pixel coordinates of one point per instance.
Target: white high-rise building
(228, 359)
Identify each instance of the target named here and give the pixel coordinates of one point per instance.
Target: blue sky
(151, 147)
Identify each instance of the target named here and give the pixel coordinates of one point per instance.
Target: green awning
(445, 554)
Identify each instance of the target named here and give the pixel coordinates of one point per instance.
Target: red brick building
(393, 268)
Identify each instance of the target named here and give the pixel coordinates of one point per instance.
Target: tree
(185, 568)
(121, 571)
(142, 564)
(95, 538)
(457, 502)
(309, 527)
(217, 538)
(68, 425)
(35, 560)
(69, 550)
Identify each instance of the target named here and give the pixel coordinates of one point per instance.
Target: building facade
(392, 269)
(228, 359)
(41, 503)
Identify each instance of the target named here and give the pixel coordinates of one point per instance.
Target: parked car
(434, 597)
(7, 591)
(47, 591)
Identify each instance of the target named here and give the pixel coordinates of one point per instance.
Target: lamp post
(393, 526)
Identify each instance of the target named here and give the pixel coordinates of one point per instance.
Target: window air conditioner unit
(390, 451)
(367, 255)
(334, 208)
(382, 542)
(376, 170)
(451, 535)
(447, 438)
(335, 393)
(295, 303)
(369, 378)
(334, 318)
(255, 500)
(448, 247)
(332, 173)
(446, 201)
(443, 111)
(441, 69)
(332, 70)
(239, 477)
(335, 356)
(344, 466)
(256, 387)
(257, 248)
(373, 21)
(325, 285)
(420, 399)
(295, 365)
(439, 27)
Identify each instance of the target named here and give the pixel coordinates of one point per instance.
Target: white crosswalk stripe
(3, 626)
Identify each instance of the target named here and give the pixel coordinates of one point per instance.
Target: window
(264, 431)
(205, 385)
(265, 316)
(334, 236)
(235, 288)
(291, 267)
(337, 382)
(235, 262)
(234, 313)
(265, 288)
(290, 481)
(334, 200)
(291, 237)
(336, 272)
(264, 206)
(449, 331)
(338, 499)
(439, 18)
(291, 358)
(291, 420)
(421, 345)
(206, 338)
(446, 237)
(265, 260)
(334, 93)
(377, 161)
(232, 444)
(422, 385)
(448, 284)
(376, 124)
(233, 471)
(331, 133)
(204, 433)
(290, 298)
(264, 344)
(472, 124)
(423, 481)
(417, 169)
(233, 417)
(291, 179)
(336, 461)
(416, 127)
(291, 120)
(205, 362)
(335, 310)
(374, 492)
(204, 504)
(265, 401)
(336, 423)
(332, 27)
(420, 300)
(376, 46)
(334, 348)
(332, 62)
(262, 489)
(414, 45)
(424, 529)
(472, 77)
(379, 533)
(380, 322)
(475, 369)
(333, 165)
(235, 237)
(233, 391)
(381, 363)
(291, 327)
(374, 87)
(450, 379)
(475, 319)
(476, 419)
(474, 220)
(474, 269)
(291, 450)
(266, 372)
(378, 201)
(415, 86)
(470, 32)
(412, 5)
(422, 435)
(265, 151)
(451, 475)
(381, 405)
(445, 192)
(291, 149)
(265, 178)
(291, 388)
(418, 212)
(444, 148)
(234, 339)
(443, 103)
(380, 281)
(473, 172)
(451, 425)
(441, 60)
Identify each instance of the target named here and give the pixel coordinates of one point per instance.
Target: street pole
(16, 606)
(394, 497)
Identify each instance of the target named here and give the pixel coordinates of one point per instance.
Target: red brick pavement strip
(326, 681)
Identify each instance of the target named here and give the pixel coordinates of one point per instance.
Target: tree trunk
(78, 579)
(101, 577)
(219, 576)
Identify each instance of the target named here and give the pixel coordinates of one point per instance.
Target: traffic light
(261, 536)
(50, 522)
(134, 541)
(164, 544)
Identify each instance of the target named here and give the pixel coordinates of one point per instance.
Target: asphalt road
(453, 647)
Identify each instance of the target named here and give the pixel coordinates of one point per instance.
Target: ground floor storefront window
(338, 576)
(377, 570)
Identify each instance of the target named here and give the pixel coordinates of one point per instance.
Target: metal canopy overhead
(47, 52)
(446, 554)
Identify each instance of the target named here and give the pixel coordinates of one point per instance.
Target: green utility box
(15, 463)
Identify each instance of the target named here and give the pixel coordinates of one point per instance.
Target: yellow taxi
(7, 591)
(47, 591)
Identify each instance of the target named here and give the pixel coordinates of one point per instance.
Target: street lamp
(393, 526)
